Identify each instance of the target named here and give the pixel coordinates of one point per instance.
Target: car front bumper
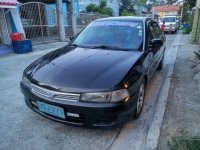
(92, 115)
(167, 29)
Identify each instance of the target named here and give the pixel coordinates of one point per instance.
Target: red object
(15, 36)
(163, 27)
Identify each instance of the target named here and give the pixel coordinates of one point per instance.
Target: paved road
(20, 128)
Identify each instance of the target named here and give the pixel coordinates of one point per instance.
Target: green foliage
(186, 17)
(102, 4)
(107, 11)
(126, 13)
(101, 9)
(91, 7)
(191, 3)
(126, 5)
(185, 142)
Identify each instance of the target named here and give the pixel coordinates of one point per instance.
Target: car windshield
(116, 35)
(169, 19)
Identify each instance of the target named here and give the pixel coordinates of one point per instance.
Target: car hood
(81, 69)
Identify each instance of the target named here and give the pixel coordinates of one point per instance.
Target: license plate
(51, 109)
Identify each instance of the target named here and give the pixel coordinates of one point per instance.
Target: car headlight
(26, 82)
(113, 96)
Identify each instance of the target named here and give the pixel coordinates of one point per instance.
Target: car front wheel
(140, 100)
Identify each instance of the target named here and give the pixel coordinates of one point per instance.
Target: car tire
(140, 100)
(160, 66)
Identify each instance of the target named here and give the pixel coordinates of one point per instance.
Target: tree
(107, 11)
(191, 3)
(126, 5)
(90, 8)
(186, 17)
(101, 9)
(102, 4)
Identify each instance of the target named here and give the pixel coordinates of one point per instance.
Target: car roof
(123, 18)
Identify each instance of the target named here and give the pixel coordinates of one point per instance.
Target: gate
(4, 33)
(39, 21)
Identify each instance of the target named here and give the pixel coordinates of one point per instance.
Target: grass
(185, 142)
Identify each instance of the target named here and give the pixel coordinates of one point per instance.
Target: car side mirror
(156, 43)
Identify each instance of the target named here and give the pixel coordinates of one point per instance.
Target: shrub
(91, 7)
(101, 9)
(102, 4)
(126, 13)
(107, 11)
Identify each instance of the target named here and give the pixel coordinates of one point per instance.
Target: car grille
(42, 92)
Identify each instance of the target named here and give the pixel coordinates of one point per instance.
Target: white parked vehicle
(170, 21)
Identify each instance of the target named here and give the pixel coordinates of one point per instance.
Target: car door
(152, 52)
(160, 50)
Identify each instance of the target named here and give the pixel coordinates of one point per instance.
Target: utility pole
(71, 17)
(74, 22)
(61, 26)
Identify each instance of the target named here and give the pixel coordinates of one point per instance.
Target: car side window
(157, 30)
(150, 33)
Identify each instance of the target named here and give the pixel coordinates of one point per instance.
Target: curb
(155, 128)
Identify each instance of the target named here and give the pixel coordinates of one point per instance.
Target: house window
(81, 1)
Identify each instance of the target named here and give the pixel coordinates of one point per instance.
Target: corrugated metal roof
(9, 2)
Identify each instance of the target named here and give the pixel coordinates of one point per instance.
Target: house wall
(163, 13)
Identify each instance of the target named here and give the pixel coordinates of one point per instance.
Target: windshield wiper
(74, 45)
(110, 47)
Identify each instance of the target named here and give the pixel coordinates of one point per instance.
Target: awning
(8, 3)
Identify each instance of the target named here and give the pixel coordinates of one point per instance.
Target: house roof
(166, 8)
(8, 2)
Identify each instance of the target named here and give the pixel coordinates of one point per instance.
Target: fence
(39, 22)
(82, 20)
(4, 33)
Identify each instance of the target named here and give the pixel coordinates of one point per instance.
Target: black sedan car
(98, 80)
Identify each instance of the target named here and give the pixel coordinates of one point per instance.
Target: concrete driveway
(20, 128)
